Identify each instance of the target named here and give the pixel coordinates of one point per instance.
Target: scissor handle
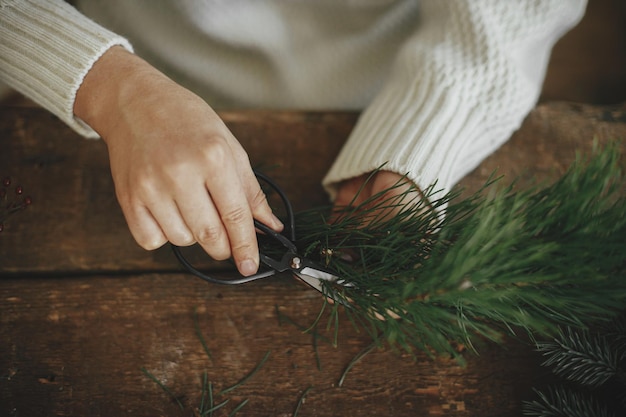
(242, 280)
(291, 218)
(287, 242)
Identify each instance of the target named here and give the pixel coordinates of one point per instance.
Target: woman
(442, 84)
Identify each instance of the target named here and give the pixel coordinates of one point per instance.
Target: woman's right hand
(179, 173)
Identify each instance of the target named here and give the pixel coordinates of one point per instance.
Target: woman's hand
(386, 185)
(179, 173)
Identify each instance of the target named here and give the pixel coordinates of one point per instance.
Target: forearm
(46, 49)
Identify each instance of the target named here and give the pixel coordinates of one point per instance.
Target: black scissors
(307, 270)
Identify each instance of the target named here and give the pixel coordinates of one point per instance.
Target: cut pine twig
(445, 270)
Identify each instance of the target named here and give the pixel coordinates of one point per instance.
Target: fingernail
(277, 223)
(247, 267)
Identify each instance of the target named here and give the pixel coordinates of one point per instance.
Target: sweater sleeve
(46, 49)
(460, 86)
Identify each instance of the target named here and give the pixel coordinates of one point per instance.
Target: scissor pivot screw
(295, 262)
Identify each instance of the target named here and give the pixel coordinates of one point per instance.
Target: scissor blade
(314, 277)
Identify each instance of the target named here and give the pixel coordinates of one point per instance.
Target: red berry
(6, 181)
(27, 201)
(19, 190)
(1, 227)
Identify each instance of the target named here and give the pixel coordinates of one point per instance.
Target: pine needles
(446, 271)
(592, 368)
(207, 406)
(582, 357)
(560, 402)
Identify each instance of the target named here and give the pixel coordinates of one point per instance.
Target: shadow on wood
(82, 309)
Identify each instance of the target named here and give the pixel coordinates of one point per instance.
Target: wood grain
(75, 224)
(75, 347)
(83, 309)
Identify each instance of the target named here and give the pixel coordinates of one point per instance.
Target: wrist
(107, 86)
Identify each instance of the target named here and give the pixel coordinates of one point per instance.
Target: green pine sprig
(591, 365)
(564, 402)
(447, 270)
(583, 357)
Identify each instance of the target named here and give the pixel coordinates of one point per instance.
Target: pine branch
(615, 330)
(497, 261)
(563, 402)
(582, 357)
(593, 360)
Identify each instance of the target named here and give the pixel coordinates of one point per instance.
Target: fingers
(184, 177)
(201, 218)
(227, 194)
(381, 195)
(351, 193)
(258, 203)
(215, 215)
(396, 191)
(153, 221)
(354, 191)
(167, 215)
(144, 228)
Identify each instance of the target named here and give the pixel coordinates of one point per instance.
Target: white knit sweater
(443, 83)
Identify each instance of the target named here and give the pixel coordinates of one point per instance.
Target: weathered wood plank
(75, 347)
(75, 223)
(73, 343)
(74, 340)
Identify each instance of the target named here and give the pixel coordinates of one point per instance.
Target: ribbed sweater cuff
(48, 61)
(416, 131)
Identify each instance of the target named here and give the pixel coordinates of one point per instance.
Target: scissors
(305, 269)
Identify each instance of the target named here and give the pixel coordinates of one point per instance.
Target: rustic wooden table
(83, 309)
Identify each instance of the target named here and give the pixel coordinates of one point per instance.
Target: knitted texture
(462, 84)
(46, 49)
(443, 83)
